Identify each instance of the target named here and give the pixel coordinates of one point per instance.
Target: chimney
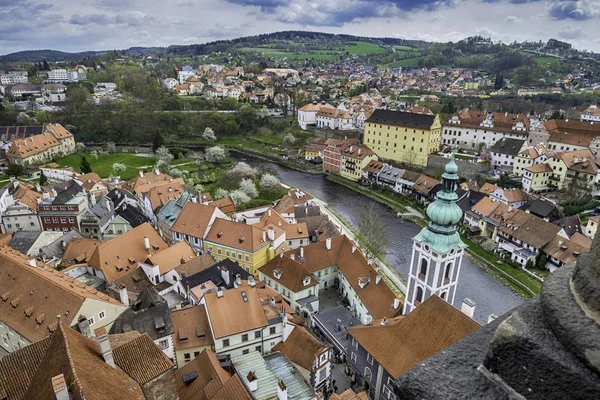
(194, 199)
(123, 296)
(147, 244)
(353, 249)
(367, 320)
(251, 281)
(302, 252)
(219, 292)
(84, 326)
(328, 243)
(396, 304)
(282, 393)
(225, 275)
(141, 174)
(238, 280)
(32, 263)
(468, 307)
(157, 172)
(269, 212)
(252, 381)
(105, 349)
(384, 321)
(60, 388)
(377, 279)
(264, 236)
(492, 318)
(292, 256)
(271, 233)
(63, 244)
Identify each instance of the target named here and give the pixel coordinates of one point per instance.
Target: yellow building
(191, 333)
(403, 136)
(579, 165)
(354, 158)
(249, 246)
(538, 178)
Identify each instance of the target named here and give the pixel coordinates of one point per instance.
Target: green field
(405, 48)
(364, 48)
(134, 162)
(547, 60)
(408, 62)
(354, 48)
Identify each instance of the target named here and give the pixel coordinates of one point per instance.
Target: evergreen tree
(499, 82)
(157, 140)
(46, 66)
(85, 166)
(43, 179)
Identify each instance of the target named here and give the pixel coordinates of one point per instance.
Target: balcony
(554, 178)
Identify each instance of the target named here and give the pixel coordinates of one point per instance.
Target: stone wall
(466, 169)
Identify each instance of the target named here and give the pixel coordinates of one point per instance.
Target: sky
(69, 25)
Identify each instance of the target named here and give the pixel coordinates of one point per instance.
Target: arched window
(423, 269)
(368, 374)
(447, 273)
(419, 295)
(443, 296)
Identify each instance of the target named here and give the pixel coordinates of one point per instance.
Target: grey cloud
(571, 32)
(511, 19)
(575, 9)
(186, 4)
(99, 19)
(131, 19)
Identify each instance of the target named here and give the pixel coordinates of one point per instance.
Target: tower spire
(438, 248)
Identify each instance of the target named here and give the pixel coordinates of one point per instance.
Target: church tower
(437, 249)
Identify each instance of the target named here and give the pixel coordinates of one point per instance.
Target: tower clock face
(426, 247)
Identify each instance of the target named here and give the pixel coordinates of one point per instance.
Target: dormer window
(278, 273)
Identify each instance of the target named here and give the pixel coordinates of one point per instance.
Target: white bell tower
(437, 249)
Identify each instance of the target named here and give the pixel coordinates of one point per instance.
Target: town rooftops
(194, 219)
(404, 342)
(565, 250)
(171, 257)
(488, 188)
(403, 119)
(579, 160)
(530, 229)
(146, 180)
(32, 296)
(204, 379)
(357, 151)
(191, 328)
(289, 273)
(225, 204)
(539, 168)
(237, 310)
(508, 146)
(236, 235)
(301, 348)
(221, 274)
(497, 121)
(10, 133)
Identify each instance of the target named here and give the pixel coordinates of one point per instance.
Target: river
(490, 295)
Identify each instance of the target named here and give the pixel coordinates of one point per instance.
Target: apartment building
(403, 136)
(65, 211)
(591, 114)
(193, 223)
(54, 141)
(570, 135)
(354, 159)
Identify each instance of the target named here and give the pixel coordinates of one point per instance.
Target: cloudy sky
(107, 24)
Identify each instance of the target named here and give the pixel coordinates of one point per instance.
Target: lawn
(408, 62)
(364, 48)
(547, 60)
(405, 48)
(103, 165)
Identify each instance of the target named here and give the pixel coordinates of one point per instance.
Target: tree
(289, 139)
(209, 134)
(111, 147)
(118, 168)
(247, 186)
(269, 181)
(214, 154)
(239, 198)
(175, 173)
(85, 166)
(221, 193)
(157, 140)
(410, 157)
(15, 170)
(163, 154)
(371, 236)
(499, 82)
(43, 179)
(94, 154)
(242, 170)
(162, 166)
(80, 147)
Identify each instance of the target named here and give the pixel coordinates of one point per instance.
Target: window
(354, 343)
(101, 315)
(196, 354)
(272, 330)
(186, 357)
(63, 220)
(55, 220)
(240, 256)
(246, 351)
(387, 393)
(219, 250)
(257, 335)
(47, 219)
(227, 253)
(353, 358)
(423, 269)
(368, 374)
(258, 348)
(245, 337)
(370, 358)
(164, 344)
(91, 320)
(419, 296)
(225, 342)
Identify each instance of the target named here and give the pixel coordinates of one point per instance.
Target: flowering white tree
(111, 147)
(209, 134)
(248, 187)
(175, 173)
(220, 193)
(243, 170)
(94, 154)
(239, 198)
(163, 154)
(80, 147)
(269, 181)
(118, 168)
(289, 139)
(162, 166)
(214, 154)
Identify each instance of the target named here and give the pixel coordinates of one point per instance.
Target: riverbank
(273, 159)
(519, 281)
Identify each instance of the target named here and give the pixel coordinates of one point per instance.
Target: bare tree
(371, 236)
(410, 157)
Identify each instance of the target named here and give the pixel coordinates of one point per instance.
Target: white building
(182, 76)
(307, 115)
(241, 322)
(471, 129)
(528, 157)
(13, 77)
(591, 114)
(504, 152)
(169, 83)
(58, 76)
